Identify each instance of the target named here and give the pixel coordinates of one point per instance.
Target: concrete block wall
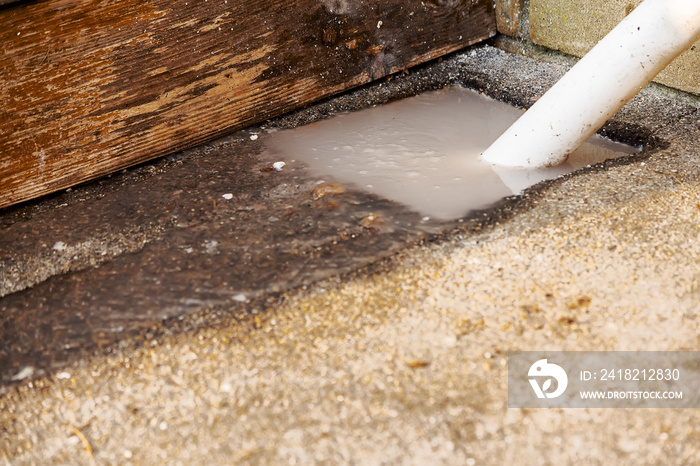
(575, 26)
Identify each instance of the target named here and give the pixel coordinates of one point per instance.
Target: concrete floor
(401, 359)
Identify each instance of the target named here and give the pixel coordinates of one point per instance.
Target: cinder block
(575, 26)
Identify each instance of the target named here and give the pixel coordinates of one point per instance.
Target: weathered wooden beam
(88, 87)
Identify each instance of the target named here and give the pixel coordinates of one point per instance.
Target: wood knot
(330, 36)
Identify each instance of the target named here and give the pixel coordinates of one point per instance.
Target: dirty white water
(424, 152)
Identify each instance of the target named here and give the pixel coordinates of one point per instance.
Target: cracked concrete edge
(60, 258)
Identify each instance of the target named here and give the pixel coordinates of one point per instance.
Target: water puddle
(225, 232)
(423, 152)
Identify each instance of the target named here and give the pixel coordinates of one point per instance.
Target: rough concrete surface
(403, 360)
(574, 27)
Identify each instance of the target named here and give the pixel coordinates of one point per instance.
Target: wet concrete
(401, 360)
(110, 261)
(213, 231)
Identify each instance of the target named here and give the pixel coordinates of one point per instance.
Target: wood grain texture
(89, 87)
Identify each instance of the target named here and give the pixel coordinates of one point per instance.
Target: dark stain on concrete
(136, 253)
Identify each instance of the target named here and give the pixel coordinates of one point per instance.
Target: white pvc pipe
(616, 69)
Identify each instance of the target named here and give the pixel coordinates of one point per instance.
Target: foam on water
(424, 152)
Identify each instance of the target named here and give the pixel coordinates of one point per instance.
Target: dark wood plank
(89, 87)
